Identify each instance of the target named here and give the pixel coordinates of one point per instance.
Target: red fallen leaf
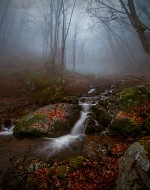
(84, 163)
(95, 163)
(33, 161)
(58, 184)
(91, 175)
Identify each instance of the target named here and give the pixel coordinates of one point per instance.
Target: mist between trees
(97, 36)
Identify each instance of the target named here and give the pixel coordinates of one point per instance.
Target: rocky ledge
(51, 120)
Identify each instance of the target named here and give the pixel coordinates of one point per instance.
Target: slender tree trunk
(137, 24)
(65, 31)
(5, 13)
(63, 49)
(74, 49)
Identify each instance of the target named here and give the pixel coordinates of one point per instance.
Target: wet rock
(132, 107)
(134, 167)
(52, 120)
(146, 126)
(1, 126)
(125, 127)
(103, 102)
(88, 99)
(92, 115)
(102, 116)
(7, 122)
(133, 96)
(93, 127)
(24, 174)
(70, 99)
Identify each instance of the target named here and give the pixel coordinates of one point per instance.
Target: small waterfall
(80, 125)
(91, 91)
(7, 131)
(76, 136)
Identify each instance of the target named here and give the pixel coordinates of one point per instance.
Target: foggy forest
(74, 94)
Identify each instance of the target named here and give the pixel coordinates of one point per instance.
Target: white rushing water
(91, 91)
(77, 133)
(81, 124)
(7, 131)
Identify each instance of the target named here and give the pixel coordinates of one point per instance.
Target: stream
(60, 148)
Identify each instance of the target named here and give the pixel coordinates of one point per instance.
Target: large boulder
(51, 120)
(134, 167)
(125, 127)
(27, 174)
(132, 99)
(132, 118)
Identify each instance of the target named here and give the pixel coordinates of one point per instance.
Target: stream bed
(57, 149)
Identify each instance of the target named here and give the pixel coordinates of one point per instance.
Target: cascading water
(7, 131)
(77, 133)
(80, 125)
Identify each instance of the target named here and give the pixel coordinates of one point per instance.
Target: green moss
(146, 144)
(24, 127)
(125, 127)
(128, 93)
(58, 95)
(70, 99)
(7, 104)
(76, 162)
(62, 171)
(66, 167)
(52, 94)
(133, 96)
(118, 124)
(130, 130)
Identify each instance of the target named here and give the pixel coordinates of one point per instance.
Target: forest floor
(22, 91)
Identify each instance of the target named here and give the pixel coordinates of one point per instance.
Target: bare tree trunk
(129, 10)
(5, 13)
(137, 24)
(65, 31)
(74, 49)
(63, 48)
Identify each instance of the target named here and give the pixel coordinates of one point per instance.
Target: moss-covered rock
(134, 167)
(70, 99)
(66, 167)
(51, 120)
(146, 126)
(133, 96)
(76, 162)
(27, 125)
(27, 175)
(132, 118)
(125, 127)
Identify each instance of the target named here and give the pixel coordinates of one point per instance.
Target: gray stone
(134, 167)
(102, 115)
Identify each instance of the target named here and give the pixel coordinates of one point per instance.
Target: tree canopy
(129, 12)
